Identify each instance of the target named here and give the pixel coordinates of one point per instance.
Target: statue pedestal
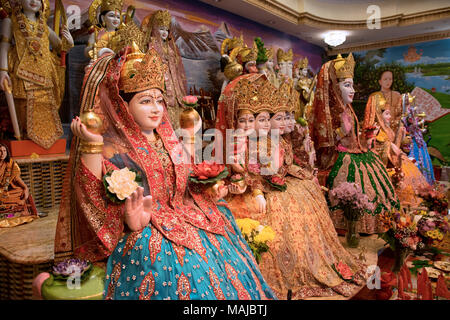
(24, 148)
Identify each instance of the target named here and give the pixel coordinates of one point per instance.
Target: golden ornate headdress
(301, 64)
(247, 54)
(255, 96)
(142, 71)
(269, 53)
(161, 18)
(112, 5)
(284, 56)
(283, 98)
(231, 43)
(344, 67)
(380, 102)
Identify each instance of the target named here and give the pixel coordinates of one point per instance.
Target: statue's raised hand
(80, 130)
(138, 210)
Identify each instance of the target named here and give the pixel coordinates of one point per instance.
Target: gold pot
(92, 122)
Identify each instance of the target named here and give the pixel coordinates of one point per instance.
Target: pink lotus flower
(344, 270)
(206, 170)
(190, 100)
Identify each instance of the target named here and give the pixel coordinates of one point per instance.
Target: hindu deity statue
(334, 128)
(157, 28)
(33, 71)
(280, 194)
(267, 67)
(167, 237)
(392, 98)
(388, 146)
(305, 86)
(285, 64)
(16, 203)
(419, 149)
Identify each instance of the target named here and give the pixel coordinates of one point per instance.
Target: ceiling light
(335, 38)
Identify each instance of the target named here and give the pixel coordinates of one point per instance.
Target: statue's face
(277, 121)
(111, 20)
(304, 72)
(287, 122)
(3, 153)
(269, 63)
(387, 116)
(386, 80)
(347, 91)
(246, 122)
(31, 5)
(147, 109)
(164, 32)
(286, 68)
(251, 67)
(262, 124)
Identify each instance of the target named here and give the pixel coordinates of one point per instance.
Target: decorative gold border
(392, 43)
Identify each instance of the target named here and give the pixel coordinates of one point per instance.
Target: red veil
(89, 226)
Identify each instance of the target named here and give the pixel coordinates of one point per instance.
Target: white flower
(122, 183)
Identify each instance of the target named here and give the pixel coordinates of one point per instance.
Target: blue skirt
(423, 160)
(230, 273)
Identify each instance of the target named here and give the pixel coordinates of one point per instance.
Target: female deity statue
(306, 245)
(157, 28)
(284, 60)
(167, 240)
(105, 16)
(34, 73)
(267, 65)
(16, 203)
(334, 130)
(392, 98)
(388, 147)
(419, 149)
(305, 86)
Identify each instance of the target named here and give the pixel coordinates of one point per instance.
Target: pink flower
(190, 100)
(344, 270)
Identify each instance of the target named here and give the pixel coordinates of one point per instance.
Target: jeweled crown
(255, 96)
(162, 18)
(284, 56)
(230, 44)
(247, 54)
(112, 5)
(269, 53)
(301, 64)
(344, 66)
(142, 71)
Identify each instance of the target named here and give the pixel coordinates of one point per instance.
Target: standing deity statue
(158, 35)
(284, 60)
(33, 71)
(305, 86)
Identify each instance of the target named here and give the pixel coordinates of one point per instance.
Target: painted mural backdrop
(199, 30)
(422, 69)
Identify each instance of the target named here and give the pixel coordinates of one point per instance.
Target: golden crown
(344, 67)
(230, 44)
(269, 53)
(255, 96)
(301, 64)
(283, 99)
(284, 56)
(142, 71)
(162, 18)
(247, 54)
(294, 102)
(111, 5)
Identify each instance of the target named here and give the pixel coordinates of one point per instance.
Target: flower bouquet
(120, 184)
(434, 199)
(256, 235)
(277, 182)
(208, 172)
(343, 270)
(350, 198)
(401, 235)
(433, 228)
(190, 101)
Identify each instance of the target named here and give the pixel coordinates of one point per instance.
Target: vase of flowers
(401, 234)
(256, 235)
(354, 203)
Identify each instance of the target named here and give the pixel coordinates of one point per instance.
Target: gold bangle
(257, 192)
(91, 147)
(5, 39)
(4, 69)
(340, 133)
